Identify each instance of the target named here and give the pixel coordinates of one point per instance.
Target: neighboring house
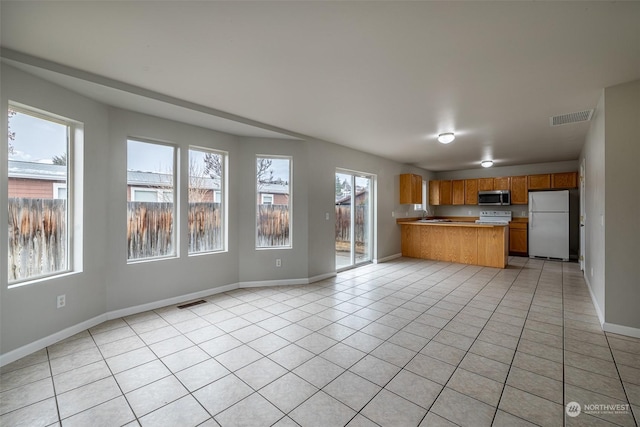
(361, 198)
(37, 180)
(273, 193)
(47, 181)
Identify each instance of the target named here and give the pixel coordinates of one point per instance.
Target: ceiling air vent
(563, 119)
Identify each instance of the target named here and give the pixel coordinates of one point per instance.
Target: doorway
(354, 201)
(582, 255)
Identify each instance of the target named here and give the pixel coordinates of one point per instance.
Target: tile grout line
(53, 385)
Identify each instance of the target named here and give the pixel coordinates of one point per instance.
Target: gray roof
(271, 188)
(32, 170)
(49, 172)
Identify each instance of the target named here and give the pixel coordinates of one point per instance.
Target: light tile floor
(404, 343)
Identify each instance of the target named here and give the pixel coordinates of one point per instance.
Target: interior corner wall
(28, 312)
(133, 284)
(593, 156)
(622, 175)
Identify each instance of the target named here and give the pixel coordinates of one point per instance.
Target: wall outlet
(393, 214)
(278, 262)
(326, 216)
(61, 301)
(469, 212)
(523, 213)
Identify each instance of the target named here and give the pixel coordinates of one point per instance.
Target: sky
(39, 140)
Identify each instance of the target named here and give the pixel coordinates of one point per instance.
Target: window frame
(73, 244)
(59, 186)
(289, 199)
(175, 201)
(221, 194)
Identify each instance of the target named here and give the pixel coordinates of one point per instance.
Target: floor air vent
(191, 304)
(563, 119)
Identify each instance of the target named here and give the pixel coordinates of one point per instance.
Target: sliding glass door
(353, 218)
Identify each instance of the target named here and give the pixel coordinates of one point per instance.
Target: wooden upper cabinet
(503, 183)
(410, 189)
(445, 192)
(519, 192)
(564, 180)
(417, 189)
(470, 191)
(457, 189)
(434, 193)
(539, 182)
(485, 184)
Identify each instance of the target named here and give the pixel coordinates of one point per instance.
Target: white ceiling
(382, 77)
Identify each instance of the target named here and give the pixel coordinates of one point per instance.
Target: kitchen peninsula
(462, 242)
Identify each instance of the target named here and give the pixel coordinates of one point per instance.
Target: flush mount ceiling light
(486, 163)
(446, 138)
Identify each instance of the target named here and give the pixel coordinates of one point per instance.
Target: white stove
(494, 217)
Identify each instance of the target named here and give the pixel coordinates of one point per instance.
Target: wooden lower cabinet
(518, 244)
(493, 246)
(476, 245)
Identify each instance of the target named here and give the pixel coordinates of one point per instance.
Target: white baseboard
(320, 277)
(599, 312)
(283, 282)
(32, 347)
(387, 258)
(622, 330)
(116, 314)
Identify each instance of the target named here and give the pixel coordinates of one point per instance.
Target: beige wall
(622, 209)
(612, 205)
(593, 157)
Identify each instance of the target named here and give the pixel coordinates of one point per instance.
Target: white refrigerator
(549, 224)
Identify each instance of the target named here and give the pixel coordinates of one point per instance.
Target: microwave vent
(577, 117)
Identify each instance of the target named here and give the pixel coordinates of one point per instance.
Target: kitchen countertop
(451, 223)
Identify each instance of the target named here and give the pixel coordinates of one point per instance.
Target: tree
(213, 165)
(264, 167)
(12, 135)
(338, 187)
(198, 190)
(60, 160)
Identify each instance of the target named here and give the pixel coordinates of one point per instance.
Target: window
(206, 208)
(150, 208)
(40, 194)
(273, 213)
(59, 190)
(151, 195)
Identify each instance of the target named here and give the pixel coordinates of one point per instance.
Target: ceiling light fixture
(446, 138)
(486, 163)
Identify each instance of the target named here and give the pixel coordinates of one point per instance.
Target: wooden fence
(150, 228)
(205, 227)
(273, 225)
(343, 224)
(37, 237)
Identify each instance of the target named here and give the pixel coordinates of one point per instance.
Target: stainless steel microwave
(494, 198)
